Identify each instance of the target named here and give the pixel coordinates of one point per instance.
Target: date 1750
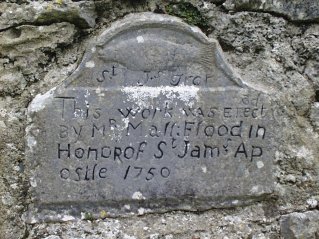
(96, 172)
(147, 174)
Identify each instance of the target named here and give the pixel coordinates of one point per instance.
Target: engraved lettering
(161, 152)
(130, 125)
(64, 150)
(65, 173)
(241, 150)
(256, 152)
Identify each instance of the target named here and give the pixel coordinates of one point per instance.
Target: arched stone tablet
(153, 119)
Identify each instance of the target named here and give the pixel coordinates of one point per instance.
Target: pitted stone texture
(27, 39)
(11, 83)
(246, 222)
(80, 13)
(300, 225)
(153, 119)
(314, 115)
(297, 10)
(28, 52)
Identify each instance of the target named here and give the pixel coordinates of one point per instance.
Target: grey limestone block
(154, 119)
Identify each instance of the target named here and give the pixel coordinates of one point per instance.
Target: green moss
(88, 216)
(188, 13)
(103, 214)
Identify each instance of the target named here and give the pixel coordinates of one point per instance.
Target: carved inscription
(176, 76)
(153, 118)
(157, 132)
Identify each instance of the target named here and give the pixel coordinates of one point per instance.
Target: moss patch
(189, 14)
(88, 216)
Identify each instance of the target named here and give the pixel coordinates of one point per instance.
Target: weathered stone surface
(300, 225)
(297, 10)
(236, 223)
(314, 115)
(11, 83)
(25, 50)
(80, 13)
(154, 119)
(26, 39)
(312, 71)
(266, 49)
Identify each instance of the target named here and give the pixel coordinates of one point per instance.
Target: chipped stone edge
(40, 100)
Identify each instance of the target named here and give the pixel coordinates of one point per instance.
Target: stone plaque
(153, 119)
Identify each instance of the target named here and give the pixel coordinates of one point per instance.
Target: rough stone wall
(272, 44)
